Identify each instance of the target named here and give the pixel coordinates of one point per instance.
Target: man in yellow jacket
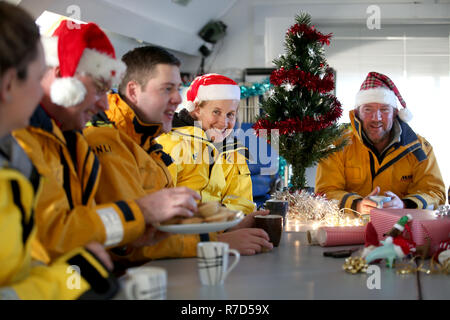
(83, 67)
(77, 274)
(142, 110)
(384, 156)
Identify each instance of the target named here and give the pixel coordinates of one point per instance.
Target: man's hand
(150, 237)
(164, 204)
(247, 241)
(365, 205)
(249, 220)
(99, 251)
(395, 203)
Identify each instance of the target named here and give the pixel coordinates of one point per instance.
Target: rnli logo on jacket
(102, 148)
(407, 178)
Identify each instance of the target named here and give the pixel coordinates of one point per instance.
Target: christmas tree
(300, 105)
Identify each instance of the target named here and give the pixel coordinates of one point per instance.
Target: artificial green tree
(300, 105)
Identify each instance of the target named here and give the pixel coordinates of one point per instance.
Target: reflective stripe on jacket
(407, 168)
(66, 213)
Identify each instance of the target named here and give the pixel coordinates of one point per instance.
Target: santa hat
(378, 88)
(211, 86)
(83, 48)
(402, 223)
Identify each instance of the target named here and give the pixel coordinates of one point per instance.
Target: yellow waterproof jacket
(217, 172)
(66, 213)
(78, 274)
(407, 168)
(134, 165)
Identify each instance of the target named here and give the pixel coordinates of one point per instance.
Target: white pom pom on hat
(211, 86)
(67, 92)
(79, 48)
(378, 88)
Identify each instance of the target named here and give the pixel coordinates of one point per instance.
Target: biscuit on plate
(192, 220)
(219, 217)
(173, 220)
(208, 209)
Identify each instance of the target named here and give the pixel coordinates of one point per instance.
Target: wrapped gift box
(424, 224)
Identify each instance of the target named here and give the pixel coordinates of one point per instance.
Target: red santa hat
(211, 86)
(82, 48)
(378, 88)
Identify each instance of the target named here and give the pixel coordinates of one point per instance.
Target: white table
(296, 270)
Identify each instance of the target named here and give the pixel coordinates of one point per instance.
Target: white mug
(145, 283)
(212, 258)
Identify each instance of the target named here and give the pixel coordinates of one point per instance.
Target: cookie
(174, 220)
(192, 220)
(208, 209)
(231, 214)
(219, 217)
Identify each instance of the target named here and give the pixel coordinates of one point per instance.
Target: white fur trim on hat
(189, 106)
(100, 65)
(218, 92)
(50, 45)
(67, 92)
(376, 95)
(399, 227)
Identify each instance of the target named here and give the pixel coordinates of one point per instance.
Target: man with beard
(384, 156)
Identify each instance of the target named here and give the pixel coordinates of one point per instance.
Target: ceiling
(176, 27)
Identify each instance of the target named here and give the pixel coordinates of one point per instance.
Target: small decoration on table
(397, 244)
(354, 265)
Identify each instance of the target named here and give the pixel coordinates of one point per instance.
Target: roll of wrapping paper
(340, 236)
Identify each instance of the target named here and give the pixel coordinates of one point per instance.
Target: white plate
(196, 228)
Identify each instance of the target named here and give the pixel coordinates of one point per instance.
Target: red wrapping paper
(424, 224)
(340, 236)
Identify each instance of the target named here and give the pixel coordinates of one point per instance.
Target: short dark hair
(142, 61)
(19, 36)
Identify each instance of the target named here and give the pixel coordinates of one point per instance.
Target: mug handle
(130, 289)
(237, 256)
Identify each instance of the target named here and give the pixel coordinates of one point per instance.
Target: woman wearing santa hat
(207, 157)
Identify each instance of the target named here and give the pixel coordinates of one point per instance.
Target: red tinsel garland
(303, 79)
(310, 33)
(308, 124)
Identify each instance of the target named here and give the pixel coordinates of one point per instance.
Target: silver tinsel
(306, 207)
(443, 210)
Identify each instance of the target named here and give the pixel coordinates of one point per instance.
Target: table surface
(296, 270)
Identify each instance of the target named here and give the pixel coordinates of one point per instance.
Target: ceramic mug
(212, 260)
(145, 283)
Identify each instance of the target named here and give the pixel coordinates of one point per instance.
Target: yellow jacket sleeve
(175, 246)
(238, 193)
(331, 180)
(427, 187)
(76, 274)
(66, 219)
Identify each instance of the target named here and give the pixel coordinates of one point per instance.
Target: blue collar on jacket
(40, 119)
